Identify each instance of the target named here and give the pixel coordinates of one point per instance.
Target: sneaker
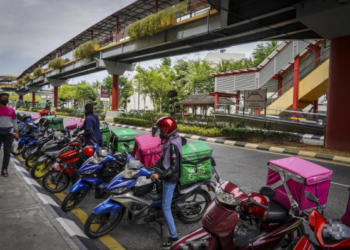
(170, 242)
(4, 173)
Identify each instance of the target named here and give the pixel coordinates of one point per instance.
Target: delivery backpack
(195, 162)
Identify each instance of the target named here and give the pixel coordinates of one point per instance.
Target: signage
(255, 99)
(104, 92)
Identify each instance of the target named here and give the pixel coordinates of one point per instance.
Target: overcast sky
(30, 29)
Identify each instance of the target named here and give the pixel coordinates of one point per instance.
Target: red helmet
(166, 124)
(88, 151)
(256, 211)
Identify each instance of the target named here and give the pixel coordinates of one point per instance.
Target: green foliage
(66, 93)
(86, 49)
(56, 63)
(194, 130)
(85, 92)
(27, 78)
(262, 51)
(38, 72)
(20, 82)
(125, 88)
(133, 121)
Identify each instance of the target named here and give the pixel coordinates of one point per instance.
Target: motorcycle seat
(335, 231)
(276, 213)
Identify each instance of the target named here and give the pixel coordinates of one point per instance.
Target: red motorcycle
(68, 160)
(238, 221)
(329, 234)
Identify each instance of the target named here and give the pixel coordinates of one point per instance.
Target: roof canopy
(204, 99)
(8, 77)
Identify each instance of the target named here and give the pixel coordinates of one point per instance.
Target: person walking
(91, 121)
(8, 125)
(169, 162)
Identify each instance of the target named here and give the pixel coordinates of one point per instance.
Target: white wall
(134, 100)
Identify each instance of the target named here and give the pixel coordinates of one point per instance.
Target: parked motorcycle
(236, 220)
(96, 172)
(330, 234)
(133, 191)
(27, 134)
(66, 161)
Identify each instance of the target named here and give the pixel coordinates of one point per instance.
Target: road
(246, 168)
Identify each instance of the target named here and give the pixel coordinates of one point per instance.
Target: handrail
(290, 84)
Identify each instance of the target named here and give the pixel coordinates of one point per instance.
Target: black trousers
(7, 140)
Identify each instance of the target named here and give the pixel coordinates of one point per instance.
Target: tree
(26, 98)
(166, 61)
(96, 85)
(123, 81)
(125, 92)
(200, 78)
(85, 92)
(262, 51)
(66, 93)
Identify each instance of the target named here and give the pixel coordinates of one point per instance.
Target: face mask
(4, 102)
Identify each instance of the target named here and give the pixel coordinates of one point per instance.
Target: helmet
(256, 211)
(165, 126)
(88, 151)
(4, 93)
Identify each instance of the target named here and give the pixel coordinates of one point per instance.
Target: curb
(339, 159)
(78, 236)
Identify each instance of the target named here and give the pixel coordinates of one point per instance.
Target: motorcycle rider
(169, 162)
(46, 111)
(91, 121)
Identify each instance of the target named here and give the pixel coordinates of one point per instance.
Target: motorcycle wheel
(72, 200)
(30, 161)
(202, 198)
(300, 230)
(55, 182)
(26, 152)
(19, 150)
(38, 170)
(94, 225)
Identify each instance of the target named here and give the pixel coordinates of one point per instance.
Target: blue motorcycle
(28, 132)
(132, 192)
(96, 172)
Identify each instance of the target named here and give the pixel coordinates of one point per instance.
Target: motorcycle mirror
(312, 198)
(63, 131)
(267, 191)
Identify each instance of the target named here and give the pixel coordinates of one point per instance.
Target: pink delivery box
(35, 116)
(291, 177)
(147, 149)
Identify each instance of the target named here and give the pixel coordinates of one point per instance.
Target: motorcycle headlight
(226, 198)
(130, 173)
(118, 191)
(89, 171)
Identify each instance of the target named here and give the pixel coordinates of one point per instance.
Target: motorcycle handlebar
(260, 205)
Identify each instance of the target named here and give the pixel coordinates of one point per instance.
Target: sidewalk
(25, 222)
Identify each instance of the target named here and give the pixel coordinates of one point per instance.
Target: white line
(340, 184)
(71, 228)
(46, 199)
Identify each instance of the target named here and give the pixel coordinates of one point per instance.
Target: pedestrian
(169, 162)
(8, 125)
(91, 121)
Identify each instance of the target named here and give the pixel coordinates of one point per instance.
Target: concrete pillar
(115, 93)
(296, 83)
(55, 97)
(33, 99)
(338, 122)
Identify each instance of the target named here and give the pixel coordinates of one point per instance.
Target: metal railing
(304, 73)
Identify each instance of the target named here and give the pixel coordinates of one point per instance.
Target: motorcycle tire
(19, 150)
(48, 183)
(30, 161)
(115, 221)
(301, 231)
(197, 192)
(38, 170)
(26, 152)
(76, 198)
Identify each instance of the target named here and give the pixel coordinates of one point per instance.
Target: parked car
(122, 110)
(134, 111)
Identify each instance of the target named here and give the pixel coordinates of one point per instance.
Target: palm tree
(96, 85)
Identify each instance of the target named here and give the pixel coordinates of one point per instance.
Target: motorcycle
(133, 191)
(27, 134)
(96, 172)
(46, 156)
(330, 234)
(67, 160)
(236, 220)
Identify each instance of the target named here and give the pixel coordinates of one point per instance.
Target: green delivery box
(195, 162)
(120, 136)
(104, 132)
(55, 122)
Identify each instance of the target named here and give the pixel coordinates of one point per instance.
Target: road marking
(107, 240)
(340, 184)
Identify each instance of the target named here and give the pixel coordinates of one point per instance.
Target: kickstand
(161, 224)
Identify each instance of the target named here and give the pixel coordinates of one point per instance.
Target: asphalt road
(246, 168)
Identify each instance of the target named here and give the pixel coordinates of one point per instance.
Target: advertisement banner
(104, 92)
(255, 99)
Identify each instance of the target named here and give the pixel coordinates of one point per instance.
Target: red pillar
(216, 102)
(238, 99)
(279, 86)
(33, 99)
(317, 56)
(55, 97)
(316, 106)
(156, 6)
(296, 83)
(115, 93)
(20, 102)
(116, 29)
(338, 122)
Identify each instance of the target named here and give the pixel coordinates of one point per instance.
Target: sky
(30, 29)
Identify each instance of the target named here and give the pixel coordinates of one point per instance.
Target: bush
(56, 63)
(102, 117)
(38, 72)
(86, 49)
(133, 121)
(194, 130)
(20, 82)
(27, 78)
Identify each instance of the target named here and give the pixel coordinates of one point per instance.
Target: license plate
(34, 151)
